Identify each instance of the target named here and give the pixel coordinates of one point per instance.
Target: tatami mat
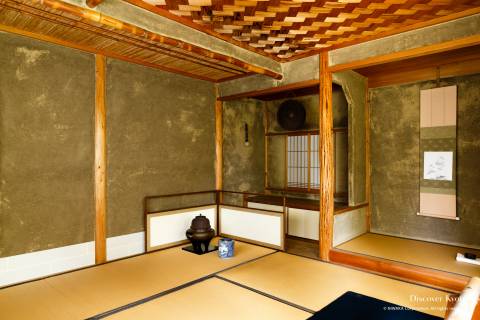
(421, 253)
(213, 299)
(91, 291)
(314, 284)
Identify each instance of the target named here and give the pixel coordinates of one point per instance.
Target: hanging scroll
(438, 144)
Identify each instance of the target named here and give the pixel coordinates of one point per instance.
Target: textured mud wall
(46, 146)
(243, 165)
(160, 139)
(395, 160)
(355, 88)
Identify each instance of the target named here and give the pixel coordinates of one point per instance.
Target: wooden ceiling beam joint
(93, 3)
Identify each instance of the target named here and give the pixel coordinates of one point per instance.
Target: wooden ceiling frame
(411, 27)
(303, 24)
(111, 22)
(22, 8)
(167, 14)
(145, 46)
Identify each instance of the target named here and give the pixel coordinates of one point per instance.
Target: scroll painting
(438, 144)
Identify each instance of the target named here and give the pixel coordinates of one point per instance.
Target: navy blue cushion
(355, 306)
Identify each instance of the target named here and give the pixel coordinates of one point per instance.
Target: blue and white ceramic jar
(225, 248)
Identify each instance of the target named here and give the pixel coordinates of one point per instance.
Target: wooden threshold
(417, 274)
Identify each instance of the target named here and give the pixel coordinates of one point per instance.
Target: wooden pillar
(100, 161)
(326, 159)
(218, 143)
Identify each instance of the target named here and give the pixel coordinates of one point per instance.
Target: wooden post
(326, 159)
(100, 161)
(218, 144)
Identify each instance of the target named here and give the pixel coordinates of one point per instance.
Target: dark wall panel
(160, 139)
(46, 145)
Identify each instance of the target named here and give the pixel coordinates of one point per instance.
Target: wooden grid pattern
(287, 28)
(50, 23)
(303, 167)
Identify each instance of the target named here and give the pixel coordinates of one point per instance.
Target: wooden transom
(287, 28)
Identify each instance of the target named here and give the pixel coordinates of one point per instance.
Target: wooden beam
(218, 142)
(269, 91)
(326, 159)
(417, 274)
(100, 161)
(411, 53)
(406, 75)
(97, 17)
(93, 3)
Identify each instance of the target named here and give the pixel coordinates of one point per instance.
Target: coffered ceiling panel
(286, 29)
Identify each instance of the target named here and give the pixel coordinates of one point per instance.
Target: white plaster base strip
(29, 266)
(34, 265)
(125, 245)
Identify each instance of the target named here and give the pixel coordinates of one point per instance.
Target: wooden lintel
(97, 17)
(326, 159)
(411, 53)
(93, 3)
(268, 91)
(406, 75)
(100, 161)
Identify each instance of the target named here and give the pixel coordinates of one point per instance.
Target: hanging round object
(291, 115)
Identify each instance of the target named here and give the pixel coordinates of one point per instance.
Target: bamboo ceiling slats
(23, 16)
(286, 29)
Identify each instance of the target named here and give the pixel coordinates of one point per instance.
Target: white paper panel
(264, 206)
(170, 227)
(253, 225)
(303, 223)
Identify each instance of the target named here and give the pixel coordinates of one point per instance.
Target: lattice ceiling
(288, 28)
